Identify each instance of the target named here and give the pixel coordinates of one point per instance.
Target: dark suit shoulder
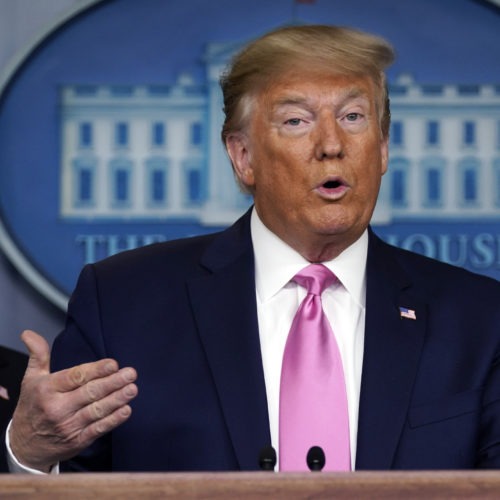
(433, 278)
(154, 271)
(159, 274)
(169, 252)
(186, 256)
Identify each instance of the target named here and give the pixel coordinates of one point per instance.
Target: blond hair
(344, 51)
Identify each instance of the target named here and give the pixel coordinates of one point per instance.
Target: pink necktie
(313, 401)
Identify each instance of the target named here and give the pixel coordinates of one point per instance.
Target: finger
(108, 405)
(77, 376)
(98, 389)
(102, 416)
(70, 426)
(39, 353)
(104, 425)
(78, 397)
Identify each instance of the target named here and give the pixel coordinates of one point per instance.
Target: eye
(293, 121)
(352, 117)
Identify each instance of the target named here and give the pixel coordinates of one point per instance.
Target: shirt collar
(276, 263)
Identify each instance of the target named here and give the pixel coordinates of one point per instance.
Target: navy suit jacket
(183, 313)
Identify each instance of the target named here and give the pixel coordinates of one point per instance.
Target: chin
(348, 231)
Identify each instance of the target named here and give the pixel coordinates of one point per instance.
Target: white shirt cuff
(16, 467)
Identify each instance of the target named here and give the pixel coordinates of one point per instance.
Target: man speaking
(296, 327)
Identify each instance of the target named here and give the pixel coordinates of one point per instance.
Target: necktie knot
(315, 278)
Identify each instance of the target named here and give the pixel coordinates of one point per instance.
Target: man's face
(313, 155)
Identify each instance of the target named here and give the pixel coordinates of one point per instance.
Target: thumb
(39, 353)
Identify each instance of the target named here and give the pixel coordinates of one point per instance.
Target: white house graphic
(154, 152)
(445, 151)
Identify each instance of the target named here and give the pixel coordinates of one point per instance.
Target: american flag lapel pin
(404, 312)
(4, 393)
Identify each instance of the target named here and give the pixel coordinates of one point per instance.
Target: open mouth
(333, 188)
(332, 184)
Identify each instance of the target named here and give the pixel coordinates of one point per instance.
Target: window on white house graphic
(469, 170)
(469, 133)
(398, 170)
(196, 134)
(433, 182)
(121, 135)
(496, 183)
(432, 133)
(85, 135)
(84, 182)
(157, 182)
(120, 182)
(193, 182)
(397, 133)
(158, 136)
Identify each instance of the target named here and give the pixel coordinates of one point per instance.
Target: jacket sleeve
(81, 342)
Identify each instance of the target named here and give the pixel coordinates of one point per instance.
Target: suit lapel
(391, 356)
(225, 309)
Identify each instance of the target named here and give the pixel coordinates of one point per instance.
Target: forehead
(311, 87)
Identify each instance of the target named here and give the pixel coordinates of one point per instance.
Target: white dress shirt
(278, 299)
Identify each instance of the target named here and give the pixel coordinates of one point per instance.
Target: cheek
(371, 164)
(280, 165)
(371, 182)
(271, 165)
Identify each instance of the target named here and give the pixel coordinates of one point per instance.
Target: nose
(329, 142)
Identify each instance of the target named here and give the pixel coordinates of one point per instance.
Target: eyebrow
(351, 93)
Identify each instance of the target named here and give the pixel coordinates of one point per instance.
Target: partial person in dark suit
(12, 367)
(204, 321)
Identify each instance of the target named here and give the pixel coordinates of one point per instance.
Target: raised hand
(59, 414)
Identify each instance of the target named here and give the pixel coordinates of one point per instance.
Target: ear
(384, 155)
(239, 152)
